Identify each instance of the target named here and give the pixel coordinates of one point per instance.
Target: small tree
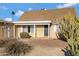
(70, 29)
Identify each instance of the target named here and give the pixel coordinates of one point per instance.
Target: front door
(39, 31)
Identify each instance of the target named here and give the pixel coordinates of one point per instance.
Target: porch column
(21, 28)
(34, 30)
(48, 30)
(14, 31)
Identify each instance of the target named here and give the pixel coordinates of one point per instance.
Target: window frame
(29, 28)
(45, 30)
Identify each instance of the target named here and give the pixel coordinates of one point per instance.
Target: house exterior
(6, 29)
(39, 23)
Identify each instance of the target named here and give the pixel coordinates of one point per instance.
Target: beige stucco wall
(1, 32)
(53, 32)
(32, 34)
(17, 31)
(11, 31)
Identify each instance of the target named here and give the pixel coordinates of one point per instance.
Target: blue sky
(19, 8)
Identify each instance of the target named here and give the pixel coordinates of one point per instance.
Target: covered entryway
(36, 29)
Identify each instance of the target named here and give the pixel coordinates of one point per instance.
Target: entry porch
(35, 28)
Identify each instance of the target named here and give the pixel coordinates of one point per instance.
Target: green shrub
(16, 48)
(61, 36)
(70, 29)
(25, 35)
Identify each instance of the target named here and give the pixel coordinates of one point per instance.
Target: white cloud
(29, 9)
(8, 19)
(66, 5)
(3, 8)
(19, 13)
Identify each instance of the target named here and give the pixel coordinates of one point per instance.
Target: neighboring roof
(2, 22)
(52, 15)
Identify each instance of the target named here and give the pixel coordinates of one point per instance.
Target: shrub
(70, 29)
(61, 36)
(16, 48)
(4, 41)
(24, 35)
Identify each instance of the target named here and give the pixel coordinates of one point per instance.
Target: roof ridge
(50, 9)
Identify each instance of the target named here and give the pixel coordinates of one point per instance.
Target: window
(25, 28)
(30, 29)
(45, 30)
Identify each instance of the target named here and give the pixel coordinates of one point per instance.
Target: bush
(67, 52)
(16, 48)
(61, 36)
(3, 42)
(70, 29)
(24, 35)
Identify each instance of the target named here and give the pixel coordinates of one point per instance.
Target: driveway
(42, 47)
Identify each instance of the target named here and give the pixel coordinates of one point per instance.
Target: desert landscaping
(43, 47)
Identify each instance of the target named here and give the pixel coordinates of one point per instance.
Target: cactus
(70, 29)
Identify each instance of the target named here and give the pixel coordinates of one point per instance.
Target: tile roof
(53, 15)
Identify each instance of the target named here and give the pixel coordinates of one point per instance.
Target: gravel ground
(46, 47)
(42, 47)
(46, 51)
